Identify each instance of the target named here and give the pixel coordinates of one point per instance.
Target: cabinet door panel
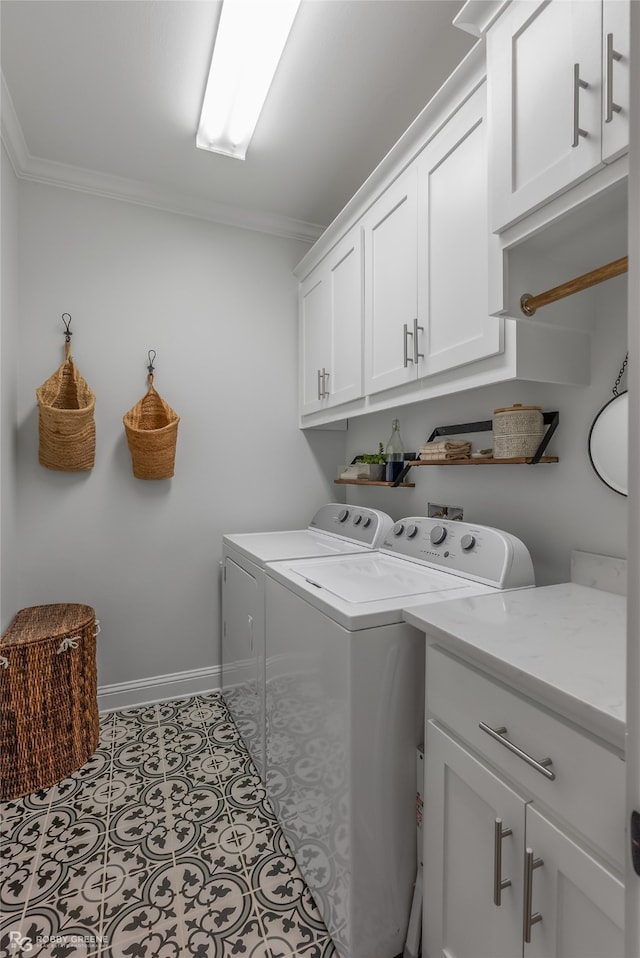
(580, 901)
(462, 801)
(532, 53)
(391, 283)
(314, 337)
(453, 245)
(345, 366)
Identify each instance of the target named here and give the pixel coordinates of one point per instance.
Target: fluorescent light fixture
(249, 43)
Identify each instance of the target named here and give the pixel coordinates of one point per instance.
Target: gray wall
(553, 508)
(8, 396)
(219, 306)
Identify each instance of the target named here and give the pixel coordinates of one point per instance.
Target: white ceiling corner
(104, 97)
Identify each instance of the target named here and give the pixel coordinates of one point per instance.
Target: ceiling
(106, 95)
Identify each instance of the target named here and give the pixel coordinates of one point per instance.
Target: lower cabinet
(501, 880)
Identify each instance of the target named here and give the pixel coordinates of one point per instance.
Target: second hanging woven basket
(67, 430)
(151, 427)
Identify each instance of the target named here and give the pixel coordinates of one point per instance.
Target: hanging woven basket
(151, 427)
(67, 430)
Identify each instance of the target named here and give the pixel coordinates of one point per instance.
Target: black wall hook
(67, 332)
(151, 367)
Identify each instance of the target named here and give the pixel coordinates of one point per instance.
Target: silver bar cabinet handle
(407, 358)
(577, 85)
(498, 882)
(529, 864)
(416, 354)
(319, 386)
(325, 376)
(541, 766)
(612, 55)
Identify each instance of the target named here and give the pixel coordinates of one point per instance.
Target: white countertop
(562, 645)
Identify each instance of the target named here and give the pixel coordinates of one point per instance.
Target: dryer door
(243, 653)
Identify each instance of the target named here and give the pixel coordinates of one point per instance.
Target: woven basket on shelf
(49, 702)
(67, 430)
(152, 433)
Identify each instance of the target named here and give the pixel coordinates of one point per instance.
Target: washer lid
(369, 577)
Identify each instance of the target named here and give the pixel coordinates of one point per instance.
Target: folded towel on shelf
(445, 445)
(445, 449)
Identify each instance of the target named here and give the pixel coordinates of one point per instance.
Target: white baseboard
(159, 688)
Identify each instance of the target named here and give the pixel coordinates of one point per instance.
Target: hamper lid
(41, 622)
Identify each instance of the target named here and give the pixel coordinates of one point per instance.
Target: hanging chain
(620, 375)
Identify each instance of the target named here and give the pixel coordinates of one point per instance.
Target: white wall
(219, 306)
(8, 381)
(552, 508)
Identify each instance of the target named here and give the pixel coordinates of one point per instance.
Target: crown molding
(67, 176)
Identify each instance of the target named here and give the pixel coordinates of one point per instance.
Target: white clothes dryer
(335, 529)
(345, 712)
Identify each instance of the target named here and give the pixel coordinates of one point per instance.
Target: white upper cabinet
(453, 245)
(331, 328)
(425, 260)
(390, 231)
(558, 77)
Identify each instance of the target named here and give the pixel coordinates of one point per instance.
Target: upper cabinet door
(343, 379)
(545, 75)
(331, 328)
(390, 232)
(314, 339)
(616, 27)
(453, 244)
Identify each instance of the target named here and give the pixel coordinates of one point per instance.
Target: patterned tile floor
(163, 844)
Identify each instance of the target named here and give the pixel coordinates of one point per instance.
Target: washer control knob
(398, 529)
(467, 542)
(437, 535)
(343, 515)
(357, 519)
(412, 531)
(366, 522)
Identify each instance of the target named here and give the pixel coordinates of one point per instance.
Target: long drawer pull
(499, 735)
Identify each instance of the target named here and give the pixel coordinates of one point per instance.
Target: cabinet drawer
(588, 792)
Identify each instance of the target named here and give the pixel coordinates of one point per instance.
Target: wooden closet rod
(529, 304)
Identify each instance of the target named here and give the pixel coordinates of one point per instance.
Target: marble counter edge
(575, 710)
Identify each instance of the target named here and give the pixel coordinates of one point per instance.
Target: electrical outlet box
(435, 511)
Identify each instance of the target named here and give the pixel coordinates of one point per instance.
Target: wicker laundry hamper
(67, 429)
(49, 723)
(152, 433)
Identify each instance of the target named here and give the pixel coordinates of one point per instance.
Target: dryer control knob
(343, 515)
(357, 519)
(438, 534)
(366, 522)
(468, 541)
(412, 531)
(398, 529)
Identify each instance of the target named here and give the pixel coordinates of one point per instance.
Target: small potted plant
(376, 462)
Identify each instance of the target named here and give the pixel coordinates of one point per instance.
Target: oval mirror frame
(609, 444)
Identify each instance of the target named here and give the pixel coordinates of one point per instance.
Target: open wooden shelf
(480, 462)
(372, 482)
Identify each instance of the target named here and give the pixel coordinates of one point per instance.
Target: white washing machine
(345, 712)
(334, 530)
